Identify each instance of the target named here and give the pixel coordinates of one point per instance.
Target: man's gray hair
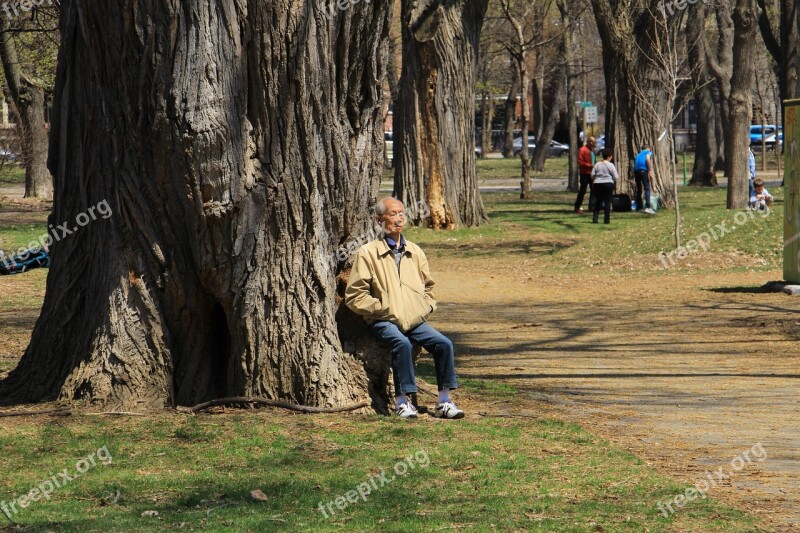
(380, 207)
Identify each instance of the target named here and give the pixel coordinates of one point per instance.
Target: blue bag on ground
(27, 260)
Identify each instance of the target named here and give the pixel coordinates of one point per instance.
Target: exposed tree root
(273, 403)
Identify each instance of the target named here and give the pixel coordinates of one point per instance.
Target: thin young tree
(519, 48)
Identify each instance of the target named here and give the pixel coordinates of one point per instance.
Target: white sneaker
(406, 410)
(447, 410)
(649, 211)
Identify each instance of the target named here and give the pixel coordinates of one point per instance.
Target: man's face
(590, 142)
(393, 220)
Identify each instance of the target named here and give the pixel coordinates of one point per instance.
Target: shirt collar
(390, 245)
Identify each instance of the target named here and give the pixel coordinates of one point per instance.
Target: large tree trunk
(526, 186)
(436, 126)
(511, 114)
(565, 9)
(237, 146)
(721, 65)
(28, 101)
(538, 108)
(636, 111)
(737, 135)
(703, 173)
(551, 114)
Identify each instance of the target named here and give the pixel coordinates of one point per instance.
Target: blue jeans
(438, 345)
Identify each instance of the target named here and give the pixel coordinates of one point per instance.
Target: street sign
(590, 113)
(586, 104)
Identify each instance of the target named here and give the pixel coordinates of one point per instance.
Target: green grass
(11, 174)
(14, 237)
(490, 168)
(546, 226)
(480, 474)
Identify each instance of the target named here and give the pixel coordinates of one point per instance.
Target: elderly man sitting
(390, 286)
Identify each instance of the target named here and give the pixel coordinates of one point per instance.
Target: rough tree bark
(703, 173)
(436, 112)
(636, 111)
(737, 135)
(721, 65)
(27, 97)
(552, 111)
(511, 113)
(565, 10)
(238, 146)
(392, 78)
(539, 105)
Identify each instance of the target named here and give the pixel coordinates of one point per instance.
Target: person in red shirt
(585, 166)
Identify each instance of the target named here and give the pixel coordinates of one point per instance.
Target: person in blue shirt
(751, 165)
(642, 173)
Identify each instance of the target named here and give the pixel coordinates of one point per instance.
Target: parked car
(8, 155)
(558, 149)
(770, 141)
(531, 145)
(757, 131)
(388, 148)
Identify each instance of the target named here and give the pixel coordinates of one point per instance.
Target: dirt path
(686, 371)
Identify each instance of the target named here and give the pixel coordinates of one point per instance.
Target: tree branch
(767, 32)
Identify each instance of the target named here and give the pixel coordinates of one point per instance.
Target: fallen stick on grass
(62, 411)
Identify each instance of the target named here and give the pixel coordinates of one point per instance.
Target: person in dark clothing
(585, 164)
(604, 176)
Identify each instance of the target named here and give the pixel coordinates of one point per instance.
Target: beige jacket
(377, 291)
